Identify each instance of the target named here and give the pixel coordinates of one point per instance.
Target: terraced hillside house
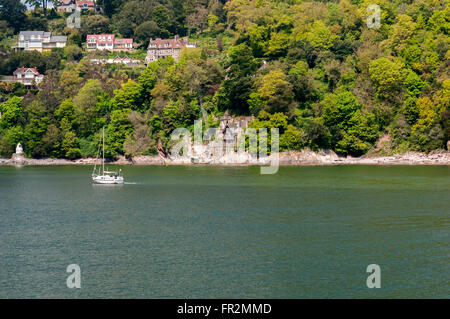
(40, 41)
(28, 76)
(82, 5)
(108, 42)
(163, 48)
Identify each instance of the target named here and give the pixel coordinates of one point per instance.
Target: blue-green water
(226, 232)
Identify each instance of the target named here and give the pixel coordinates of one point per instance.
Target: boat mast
(103, 161)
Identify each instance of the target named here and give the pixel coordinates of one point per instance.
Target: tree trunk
(204, 113)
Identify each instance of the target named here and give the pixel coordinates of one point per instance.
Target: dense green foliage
(313, 69)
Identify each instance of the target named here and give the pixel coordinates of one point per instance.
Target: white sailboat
(105, 177)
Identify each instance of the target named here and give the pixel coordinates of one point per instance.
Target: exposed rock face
(148, 160)
(18, 159)
(305, 157)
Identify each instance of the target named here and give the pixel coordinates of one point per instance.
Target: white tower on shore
(19, 149)
(18, 157)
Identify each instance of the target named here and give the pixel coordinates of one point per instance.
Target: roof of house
(120, 41)
(27, 34)
(90, 3)
(175, 43)
(99, 38)
(39, 35)
(23, 70)
(118, 58)
(58, 38)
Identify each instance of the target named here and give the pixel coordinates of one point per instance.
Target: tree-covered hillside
(314, 69)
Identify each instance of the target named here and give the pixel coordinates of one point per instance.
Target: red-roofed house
(65, 6)
(82, 5)
(28, 76)
(86, 5)
(123, 44)
(100, 42)
(117, 60)
(124, 60)
(108, 42)
(162, 48)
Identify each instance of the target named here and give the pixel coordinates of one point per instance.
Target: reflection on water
(207, 232)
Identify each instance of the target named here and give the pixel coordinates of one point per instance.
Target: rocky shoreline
(292, 158)
(330, 158)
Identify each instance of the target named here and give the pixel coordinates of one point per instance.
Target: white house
(108, 42)
(28, 76)
(40, 41)
(82, 5)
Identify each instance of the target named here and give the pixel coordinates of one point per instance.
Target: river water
(226, 232)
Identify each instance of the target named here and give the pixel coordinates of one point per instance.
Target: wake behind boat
(105, 177)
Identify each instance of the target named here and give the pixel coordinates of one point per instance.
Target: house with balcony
(82, 5)
(65, 6)
(123, 44)
(27, 76)
(108, 42)
(40, 41)
(86, 5)
(163, 48)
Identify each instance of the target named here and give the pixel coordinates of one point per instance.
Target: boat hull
(107, 180)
